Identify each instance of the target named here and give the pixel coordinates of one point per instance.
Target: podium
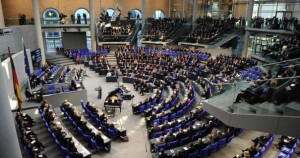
(99, 89)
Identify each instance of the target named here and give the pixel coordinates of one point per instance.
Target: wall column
(144, 16)
(38, 29)
(9, 144)
(2, 23)
(247, 33)
(92, 25)
(195, 10)
(170, 8)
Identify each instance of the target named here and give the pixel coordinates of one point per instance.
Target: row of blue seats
(39, 73)
(251, 73)
(142, 108)
(22, 145)
(64, 150)
(288, 152)
(112, 133)
(88, 138)
(179, 113)
(203, 153)
(265, 148)
(176, 128)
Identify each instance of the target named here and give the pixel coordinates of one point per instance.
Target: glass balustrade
(274, 94)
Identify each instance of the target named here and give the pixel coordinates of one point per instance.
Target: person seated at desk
(200, 144)
(287, 141)
(73, 84)
(155, 128)
(28, 94)
(103, 118)
(252, 151)
(91, 107)
(208, 140)
(170, 137)
(25, 118)
(144, 88)
(263, 139)
(136, 84)
(165, 126)
(160, 141)
(162, 153)
(228, 133)
(43, 81)
(61, 79)
(98, 138)
(44, 105)
(218, 136)
(180, 134)
(68, 107)
(76, 116)
(85, 129)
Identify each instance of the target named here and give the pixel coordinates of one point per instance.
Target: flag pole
(16, 85)
(28, 77)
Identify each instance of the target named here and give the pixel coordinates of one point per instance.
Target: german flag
(16, 82)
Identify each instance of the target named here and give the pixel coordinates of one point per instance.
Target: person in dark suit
(85, 129)
(228, 133)
(218, 136)
(155, 128)
(162, 154)
(262, 139)
(98, 138)
(73, 84)
(170, 137)
(180, 134)
(166, 125)
(191, 148)
(156, 82)
(200, 144)
(190, 131)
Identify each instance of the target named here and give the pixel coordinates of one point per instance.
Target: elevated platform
(155, 43)
(113, 43)
(65, 27)
(273, 31)
(265, 116)
(210, 45)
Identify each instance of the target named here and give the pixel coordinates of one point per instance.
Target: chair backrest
(214, 147)
(184, 141)
(256, 155)
(221, 143)
(163, 119)
(173, 116)
(51, 86)
(203, 152)
(173, 144)
(195, 137)
(230, 139)
(112, 133)
(64, 150)
(160, 146)
(176, 129)
(142, 108)
(168, 130)
(193, 155)
(157, 134)
(82, 104)
(156, 120)
(148, 105)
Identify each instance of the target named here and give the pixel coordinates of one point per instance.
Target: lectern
(99, 89)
